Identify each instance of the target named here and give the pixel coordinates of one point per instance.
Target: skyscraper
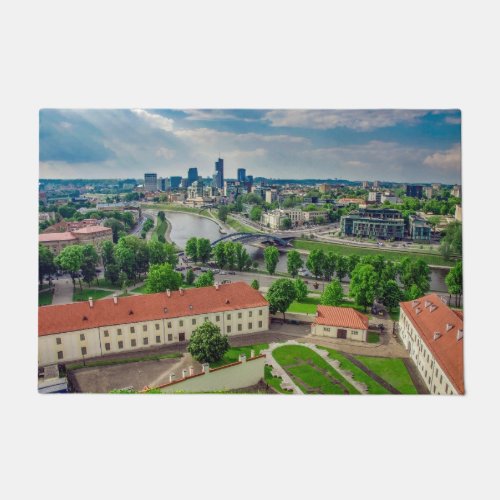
(219, 173)
(150, 182)
(175, 182)
(242, 175)
(192, 176)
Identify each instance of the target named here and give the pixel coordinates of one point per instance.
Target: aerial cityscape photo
(248, 251)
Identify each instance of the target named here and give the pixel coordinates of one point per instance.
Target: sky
(386, 145)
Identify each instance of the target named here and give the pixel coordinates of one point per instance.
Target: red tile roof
(92, 229)
(429, 314)
(46, 237)
(137, 308)
(341, 316)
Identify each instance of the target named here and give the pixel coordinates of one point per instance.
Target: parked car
(223, 272)
(231, 272)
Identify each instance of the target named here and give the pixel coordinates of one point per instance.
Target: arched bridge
(247, 237)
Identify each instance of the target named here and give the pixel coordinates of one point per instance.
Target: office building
(175, 182)
(382, 223)
(192, 176)
(419, 229)
(242, 175)
(414, 190)
(150, 183)
(219, 173)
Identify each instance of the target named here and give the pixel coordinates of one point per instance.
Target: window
(119, 331)
(193, 321)
(120, 344)
(158, 339)
(107, 346)
(169, 324)
(217, 318)
(157, 326)
(133, 343)
(325, 328)
(106, 333)
(228, 329)
(260, 324)
(240, 326)
(145, 341)
(441, 379)
(206, 318)
(260, 312)
(434, 389)
(58, 341)
(239, 315)
(446, 388)
(82, 336)
(228, 316)
(169, 337)
(132, 329)
(250, 326)
(59, 355)
(144, 328)
(84, 351)
(436, 372)
(250, 314)
(181, 322)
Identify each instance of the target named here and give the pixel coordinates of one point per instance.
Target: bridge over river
(282, 241)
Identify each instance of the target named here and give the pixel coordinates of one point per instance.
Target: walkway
(183, 364)
(63, 291)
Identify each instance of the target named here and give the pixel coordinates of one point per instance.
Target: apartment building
(382, 223)
(433, 333)
(88, 235)
(419, 229)
(90, 329)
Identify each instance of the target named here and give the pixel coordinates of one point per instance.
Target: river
(185, 225)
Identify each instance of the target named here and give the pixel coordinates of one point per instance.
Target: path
(184, 363)
(63, 291)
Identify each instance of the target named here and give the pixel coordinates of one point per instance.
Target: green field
(232, 355)
(95, 293)
(104, 283)
(373, 338)
(310, 304)
(160, 229)
(435, 259)
(311, 372)
(392, 370)
(274, 382)
(45, 298)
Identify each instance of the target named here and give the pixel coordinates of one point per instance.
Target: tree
(271, 258)
(294, 263)
(89, 263)
(117, 228)
(255, 284)
(301, 290)
(256, 214)
(162, 277)
(222, 213)
(70, 259)
(415, 272)
(107, 253)
(161, 215)
(125, 259)
(112, 273)
(391, 295)
(230, 252)
(330, 265)
(333, 294)
(352, 262)
(45, 262)
(364, 286)
(190, 277)
(286, 223)
(280, 295)
(414, 292)
(157, 252)
(433, 221)
(203, 250)
(452, 239)
(315, 262)
(192, 248)
(220, 254)
(454, 282)
(243, 260)
(204, 279)
(172, 255)
(207, 344)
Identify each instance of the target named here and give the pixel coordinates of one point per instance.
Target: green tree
(364, 286)
(333, 295)
(190, 276)
(433, 221)
(454, 282)
(352, 262)
(330, 265)
(280, 295)
(46, 263)
(243, 260)
(162, 277)
(391, 295)
(255, 284)
(342, 267)
(204, 279)
(157, 252)
(192, 248)
(89, 263)
(220, 254)
(256, 214)
(117, 228)
(222, 213)
(203, 250)
(70, 259)
(271, 258)
(161, 215)
(294, 263)
(315, 262)
(125, 259)
(230, 251)
(301, 290)
(172, 254)
(207, 344)
(112, 273)
(453, 237)
(415, 272)
(285, 223)
(414, 292)
(107, 253)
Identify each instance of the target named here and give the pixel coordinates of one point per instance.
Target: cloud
(451, 159)
(165, 153)
(360, 120)
(155, 120)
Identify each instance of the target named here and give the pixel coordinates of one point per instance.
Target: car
(223, 272)
(231, 272)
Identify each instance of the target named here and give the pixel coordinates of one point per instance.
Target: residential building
(419, 229)
(393, 200)
(382, 223)
(365, 185)
(271, 195)
(432, 333)
(375, 196)
(324, 188)
(458, 213)
(150, 183)
(219, 173)
(436, 186)
(428, 192)
(414, 190)
(175, 182)
(456, 191)
(376, 184)
(350, 201)
(89, 235)
(90, 329)
(340, 323)
(242, 175)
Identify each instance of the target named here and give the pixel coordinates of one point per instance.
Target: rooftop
(341, 316)
(137, 308)
(92, 229)
(46, 237)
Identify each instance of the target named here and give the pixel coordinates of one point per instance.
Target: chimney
(191, 371)
(172, 377)
(216, 285)
(460, 334)
(181, 291)
(168, 292)
(115, 298)
(436, 335)
(242, 358)
(205, 368)
(91, 302)
(252, 353)
(184, 373)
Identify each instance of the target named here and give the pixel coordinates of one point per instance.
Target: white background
(213, 54)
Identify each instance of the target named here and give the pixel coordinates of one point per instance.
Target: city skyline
(388, 145)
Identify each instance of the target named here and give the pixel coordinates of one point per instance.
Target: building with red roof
(340, 323)
(433, 334)
(86, 235)
(81, 330)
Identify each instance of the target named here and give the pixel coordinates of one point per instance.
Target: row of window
(240, 327)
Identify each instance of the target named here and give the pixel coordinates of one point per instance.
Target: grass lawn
(45, 298)
(139, 289)
(104, 283)
(311, 372)
(96, 294)
(395, 314)
(358, 374)
(310, 304)
(274, 382)
(122, 361)
(436, 259)
(392, 370)
(233, 354)
(373, 337)
(238, 226)
(160, 229)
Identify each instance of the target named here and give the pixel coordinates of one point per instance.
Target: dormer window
(436, 335)
(449, 326)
